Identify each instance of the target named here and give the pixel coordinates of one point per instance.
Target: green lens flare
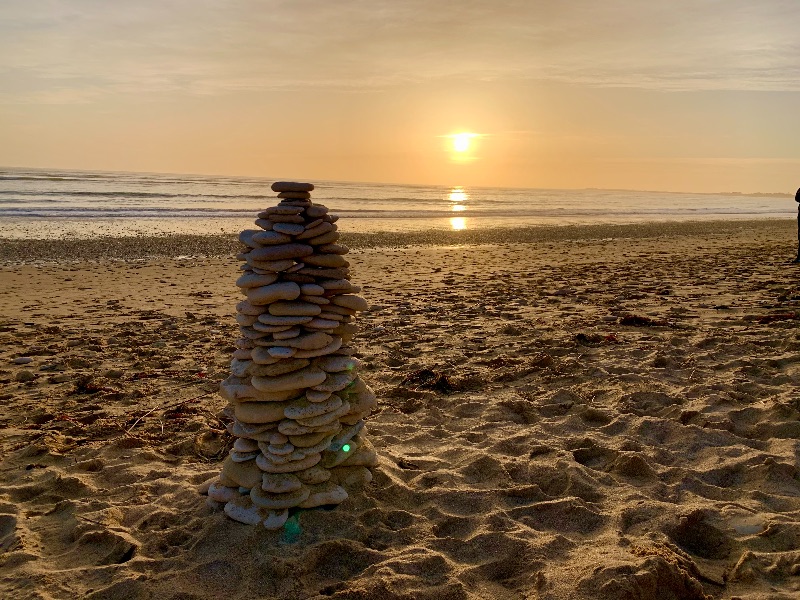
(346, 447)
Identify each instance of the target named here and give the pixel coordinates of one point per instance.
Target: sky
(685, 95)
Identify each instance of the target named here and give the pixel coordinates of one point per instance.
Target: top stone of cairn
(292, 186)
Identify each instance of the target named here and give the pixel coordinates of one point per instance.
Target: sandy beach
(605, 412)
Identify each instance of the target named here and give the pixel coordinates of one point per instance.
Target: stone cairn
(297, 402)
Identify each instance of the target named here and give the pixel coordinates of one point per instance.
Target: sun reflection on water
(458, 223)
(458, 195)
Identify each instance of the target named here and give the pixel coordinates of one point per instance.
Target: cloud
(85, 48)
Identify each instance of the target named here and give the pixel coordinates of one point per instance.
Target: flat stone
(286, 334)
(364, 456)
(317, 230)
(324, 494)
(317, 210)
(336, 284)
(245, 445)
(350, 301)
(282, 251)
(330, 418)
(251, 280)
(267, 294)
(290, 467)
(244, 511)
(245, 474)
(270, 238)
(311, 289)
(363, 402)
(266, 267)
(245, 308)
(221, 493)
(297, 278)
(246, 320)
(292, 427)
(302, 202)
(273, 329)
(325, 238)
(281, 351)
(330, 348)
(242, 354)
(289, 228)
(333, 249)
(314, 299)
(301, 408)
(294, 195)
(269, 319)
(240, 429)
(292, 186)
(353, 477)
(280, 483)
(278, 501)
(335, 382)
(277, 438)
(279, 368)
(294, 309)
(341, 310)
(242, 456)
(317, 396)
(326, 260)
(23, 360)
(276, 519)
(345, 435)
(241, 368)
(296, 267)
(335, 364)
(333, 316)
(304, 378)
(318, 323)
(259, 412)
(313, 475)
(338, 273)
(265, 224)
(277, 449)
(247, 237)
(294, 219)
(311, 341)
(284, 210)
(250, 333)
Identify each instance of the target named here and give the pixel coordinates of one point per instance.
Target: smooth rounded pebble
(267, 294)
(290, 467)
(292, 186)
(350, 301)
(244, 511)
(276, 519)
(304, 378)
(280, 252)
(323, 494)
(297, 309)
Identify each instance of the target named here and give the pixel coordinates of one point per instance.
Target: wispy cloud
(77, 50)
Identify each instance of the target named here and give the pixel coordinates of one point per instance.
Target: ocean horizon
(52, 203)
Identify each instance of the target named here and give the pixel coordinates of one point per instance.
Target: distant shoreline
(139, 247)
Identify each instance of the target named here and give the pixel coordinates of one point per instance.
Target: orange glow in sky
(624, 95)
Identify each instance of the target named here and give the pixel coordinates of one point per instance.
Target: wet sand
(579, 412)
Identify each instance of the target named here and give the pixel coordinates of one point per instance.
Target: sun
(462, 141)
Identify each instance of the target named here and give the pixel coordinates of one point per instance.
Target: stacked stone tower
(297, 401)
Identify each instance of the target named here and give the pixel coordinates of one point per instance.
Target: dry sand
(607, 412)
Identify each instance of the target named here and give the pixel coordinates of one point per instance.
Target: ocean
(40, 203)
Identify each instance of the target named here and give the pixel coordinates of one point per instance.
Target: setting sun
(461, 141)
